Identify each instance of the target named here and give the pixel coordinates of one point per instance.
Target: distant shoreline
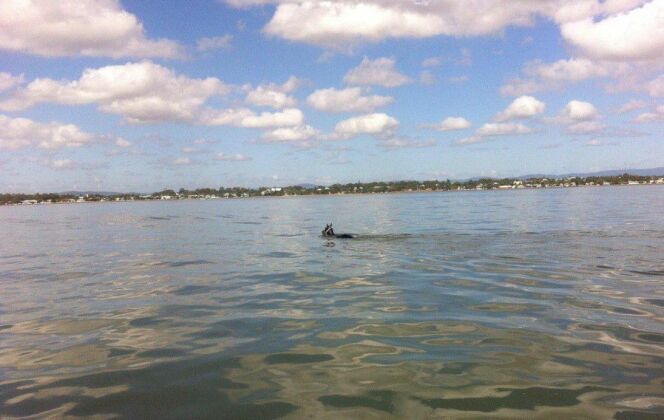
(117, 199)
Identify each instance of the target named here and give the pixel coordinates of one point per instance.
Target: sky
(139, 96)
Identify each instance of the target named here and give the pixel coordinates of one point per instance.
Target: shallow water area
(495, 304)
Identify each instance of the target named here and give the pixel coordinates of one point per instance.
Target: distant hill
(613, 172)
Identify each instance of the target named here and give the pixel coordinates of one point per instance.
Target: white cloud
(545, 76)
(243, 117)
(337, 23)
(98, 28)
(635, 35)
(301, 133)
(631, 105)
(120, 142)
(378, 72)
(573, 69)
(522, 107)
(469, 140)
(237, 157)
(346, 100)
(274, 96)
(578, 111)
(8, 81)
(647, 117)
(598, 143)
(493, 130)
(450, 124)
(287, 117)
(656, 86)
(214, 43)
(18, 133)
(182, 161)
(502, 129)
(405, 143)
(140, 92)
(586, 127)
(378, 124)
(592, 25)
(230, 116)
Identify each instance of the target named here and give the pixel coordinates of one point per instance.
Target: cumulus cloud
(502, 129)
(297, 134)
(604, 33)
(139, 92)
(654, 116)
(580, 118)
(450, 124)
(346, 100)
(273, 95)
(635, 35)
(598, 143)
(544, 76)
(578, 111)
(302, 136)
(98, 28)
(182, 161)
(572, 69)
(229, 116)
(405, 143)
(214, 43)
(522, 107)
(146, 92)
(334, 24)
(287, 117)
(378, 72)
(493, 130)
(377, 124)
(343, 23)
(19, 133)
(120, 142)
(8, 81)
(237, 157)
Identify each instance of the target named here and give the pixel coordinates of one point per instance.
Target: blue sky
(143, 95)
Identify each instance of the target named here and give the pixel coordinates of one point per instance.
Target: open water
(497, 304)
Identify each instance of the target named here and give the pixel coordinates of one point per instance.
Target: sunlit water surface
(504, 304)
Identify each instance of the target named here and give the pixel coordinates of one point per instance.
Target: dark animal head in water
(328, 231)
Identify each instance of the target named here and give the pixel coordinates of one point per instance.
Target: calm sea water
(505, 304)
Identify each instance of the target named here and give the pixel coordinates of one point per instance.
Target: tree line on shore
(350, 188)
